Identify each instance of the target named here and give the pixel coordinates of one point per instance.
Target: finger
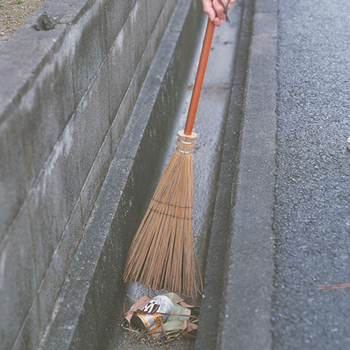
(218, 22)
(208, 9)
(219, 9)
(230, 3)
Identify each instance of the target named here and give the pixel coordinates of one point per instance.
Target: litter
(163, 318)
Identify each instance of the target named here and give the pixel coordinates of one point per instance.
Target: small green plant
(19, 1)
(2, 5)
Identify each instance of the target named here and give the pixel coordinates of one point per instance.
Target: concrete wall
(66, 96)
(88, 311)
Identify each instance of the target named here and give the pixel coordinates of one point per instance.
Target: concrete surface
(66, 95)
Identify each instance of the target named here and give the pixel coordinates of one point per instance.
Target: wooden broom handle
(199, 78)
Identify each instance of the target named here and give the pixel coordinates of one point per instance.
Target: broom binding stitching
(172, 216)
(171, 205)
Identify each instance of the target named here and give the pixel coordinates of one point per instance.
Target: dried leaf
(173, 328)
(189, 326)
(174, 298)
(182, 303)
(133, 299)
(333, 286)
(174, 334)
(185, 334)
(178, 313)
(174, 325)
(142, 302)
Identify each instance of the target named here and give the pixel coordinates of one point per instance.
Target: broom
(161, 253)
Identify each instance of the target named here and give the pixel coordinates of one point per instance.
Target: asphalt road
(312, 221)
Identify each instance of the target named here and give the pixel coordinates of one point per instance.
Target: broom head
(161, 253)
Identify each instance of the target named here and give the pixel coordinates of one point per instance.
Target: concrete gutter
(240, 266)
(249, 277)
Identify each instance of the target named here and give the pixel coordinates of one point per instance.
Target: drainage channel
(210, 125)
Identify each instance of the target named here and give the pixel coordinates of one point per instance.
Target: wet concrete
(312, 223)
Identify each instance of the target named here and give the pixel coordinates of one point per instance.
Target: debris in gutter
(161, 320)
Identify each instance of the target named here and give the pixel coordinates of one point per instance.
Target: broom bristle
(161, 253)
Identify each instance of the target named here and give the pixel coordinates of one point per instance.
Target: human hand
(216, 10)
